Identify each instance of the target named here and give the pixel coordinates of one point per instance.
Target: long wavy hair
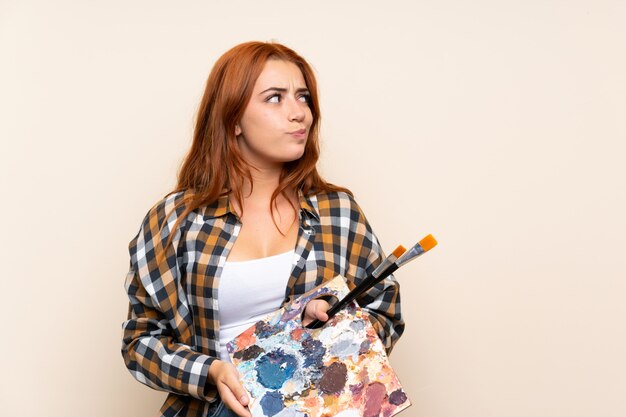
(214, 166)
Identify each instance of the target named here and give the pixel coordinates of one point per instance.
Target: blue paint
(272, 403)
(274, 368)
(357, 325)
(290, 314)
(313, 352)
(345, 346)
(263, 330)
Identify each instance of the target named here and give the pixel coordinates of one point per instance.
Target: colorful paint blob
(334, 378)
(274, 368)
(272, 403)
(338, 370)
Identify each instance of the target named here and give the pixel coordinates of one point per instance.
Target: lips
(299, 135)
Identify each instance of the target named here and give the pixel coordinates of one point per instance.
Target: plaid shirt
(171, 336)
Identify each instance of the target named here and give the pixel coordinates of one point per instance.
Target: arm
(381, 302)
(159, 315)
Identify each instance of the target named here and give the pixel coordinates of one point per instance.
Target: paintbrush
(399, 257)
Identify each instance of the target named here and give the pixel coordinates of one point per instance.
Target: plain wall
(498, 126)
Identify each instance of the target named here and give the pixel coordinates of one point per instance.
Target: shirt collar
(219, 208)
(305, 205)
(223, 206)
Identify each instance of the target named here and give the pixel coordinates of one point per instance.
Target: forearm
(155, 359)
(382, 304)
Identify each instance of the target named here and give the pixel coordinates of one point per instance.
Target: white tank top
(249, 290)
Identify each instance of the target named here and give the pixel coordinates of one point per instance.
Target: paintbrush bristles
(398, 251)
(428, 243)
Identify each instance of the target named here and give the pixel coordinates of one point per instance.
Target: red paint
(296, 333)
(247, 338)
(375, 394)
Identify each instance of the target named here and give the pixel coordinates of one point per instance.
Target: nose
(296, 112)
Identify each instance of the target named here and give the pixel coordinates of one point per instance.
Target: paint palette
(338, 370)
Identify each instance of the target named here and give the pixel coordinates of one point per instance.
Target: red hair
(214, 167)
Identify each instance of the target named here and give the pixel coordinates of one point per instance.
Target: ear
(237, 130)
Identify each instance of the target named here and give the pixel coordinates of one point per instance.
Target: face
(275, 125)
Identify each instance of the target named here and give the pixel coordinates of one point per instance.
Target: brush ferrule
(409, 255)
(384, 265)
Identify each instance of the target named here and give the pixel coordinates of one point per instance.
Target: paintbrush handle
(400, 257)
(365, 285)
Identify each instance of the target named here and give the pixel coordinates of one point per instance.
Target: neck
(264, 183)
(259, 194)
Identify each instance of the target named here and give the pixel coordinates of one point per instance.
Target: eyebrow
(284, 90)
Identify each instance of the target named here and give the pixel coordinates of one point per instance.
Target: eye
(305, 98)
(274, 98)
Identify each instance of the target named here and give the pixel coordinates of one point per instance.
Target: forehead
(280, 74)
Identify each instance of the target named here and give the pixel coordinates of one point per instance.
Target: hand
(315, 309)
(226, 379)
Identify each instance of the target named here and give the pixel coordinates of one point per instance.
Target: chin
(291, 159)
(292, 156)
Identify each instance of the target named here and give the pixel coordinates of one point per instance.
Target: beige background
(498, 126)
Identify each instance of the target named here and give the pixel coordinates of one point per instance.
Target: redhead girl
(250, 225)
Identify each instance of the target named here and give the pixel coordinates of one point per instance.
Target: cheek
(267, 121)
(309, 117)
(263, 131)
(254, 127)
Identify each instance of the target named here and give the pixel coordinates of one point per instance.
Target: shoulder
(337, 204)
(333, 199)
(156, 227)
(168, 209)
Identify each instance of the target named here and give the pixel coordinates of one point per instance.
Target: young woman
(250, 225)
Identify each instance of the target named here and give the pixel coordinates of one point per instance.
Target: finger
(321, 315)
(315, 309)
(231, 401)
(309, 313)
(237, 389)
(320, 309)
(323, 306)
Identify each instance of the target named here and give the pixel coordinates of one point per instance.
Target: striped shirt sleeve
(159, 315)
